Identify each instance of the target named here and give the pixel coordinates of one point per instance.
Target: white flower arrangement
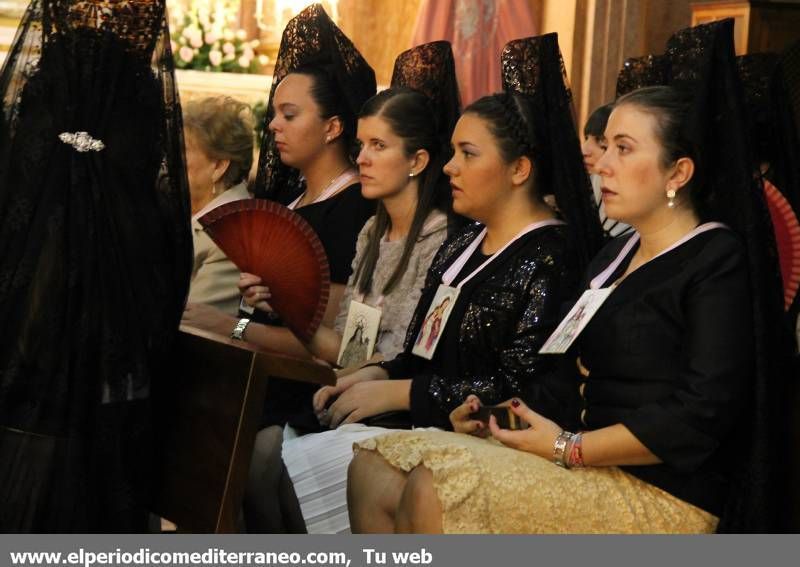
(205, 38)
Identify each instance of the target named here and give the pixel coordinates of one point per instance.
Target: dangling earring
(671, 198)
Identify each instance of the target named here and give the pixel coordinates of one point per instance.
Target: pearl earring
(411, 174)
(671, 198)
(327, 139)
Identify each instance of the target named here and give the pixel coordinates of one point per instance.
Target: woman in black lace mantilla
(95, 255)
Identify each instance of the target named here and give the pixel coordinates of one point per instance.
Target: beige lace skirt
(485, 487)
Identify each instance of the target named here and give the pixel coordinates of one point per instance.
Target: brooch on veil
(81, 141)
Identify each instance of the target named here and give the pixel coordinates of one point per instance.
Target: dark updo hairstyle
(332, 102)
(411, 116)
(597, 121)
(671, 107)
(519, 131)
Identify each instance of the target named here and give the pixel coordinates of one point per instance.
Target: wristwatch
(238, 331)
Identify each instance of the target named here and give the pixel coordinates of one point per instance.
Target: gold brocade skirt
(485, 487)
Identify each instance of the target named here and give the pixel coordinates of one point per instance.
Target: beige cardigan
(214, 277)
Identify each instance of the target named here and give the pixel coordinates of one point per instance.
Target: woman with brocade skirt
(679, 369)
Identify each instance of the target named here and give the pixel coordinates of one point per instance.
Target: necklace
(339, 182)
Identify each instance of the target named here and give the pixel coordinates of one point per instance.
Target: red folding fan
(787, 236)
(267, 239)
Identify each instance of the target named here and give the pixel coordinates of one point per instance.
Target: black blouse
(337, 221)
(489, 346)
(670, 355)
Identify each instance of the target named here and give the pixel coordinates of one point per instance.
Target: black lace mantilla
(95, 254)
(639, 72)
(311, 38)
(430, 69)
(533, 66)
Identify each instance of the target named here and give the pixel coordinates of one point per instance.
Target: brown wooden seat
(209, 410)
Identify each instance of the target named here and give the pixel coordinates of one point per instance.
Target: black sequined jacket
(489, 346)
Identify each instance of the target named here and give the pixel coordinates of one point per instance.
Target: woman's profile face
(297, 127)
(634, 181)
(199, 167)
(382, 161)
(480, 179)
(592, 148)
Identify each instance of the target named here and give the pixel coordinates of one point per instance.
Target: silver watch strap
(238, 330)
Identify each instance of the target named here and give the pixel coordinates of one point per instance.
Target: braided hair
(512, 122)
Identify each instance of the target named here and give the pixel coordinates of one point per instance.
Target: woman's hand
(323, 396)
(367, 399)
(537, 439)
(254, 294)
(209, 318)
(461, 421)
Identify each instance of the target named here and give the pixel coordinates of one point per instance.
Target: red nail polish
(515, 402)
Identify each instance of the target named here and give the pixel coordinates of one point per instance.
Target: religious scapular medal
(360, 334)
(594, 297)
(442, 305)
(434, 321)
(578, 317)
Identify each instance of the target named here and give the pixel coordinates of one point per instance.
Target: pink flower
(248, 52)
(196, 40)
(244, 62)
(215, 57)
(186, 54)
(228, 48)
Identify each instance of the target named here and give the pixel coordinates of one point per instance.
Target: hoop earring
(671, 198)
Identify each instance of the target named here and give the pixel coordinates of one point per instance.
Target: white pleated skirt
(317, 464)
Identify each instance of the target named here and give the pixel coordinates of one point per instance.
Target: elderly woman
(219, 153)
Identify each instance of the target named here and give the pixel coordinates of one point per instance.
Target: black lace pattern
(430, 69)
(534, 67)
(639, 72)
(311, 38)
(95, 247)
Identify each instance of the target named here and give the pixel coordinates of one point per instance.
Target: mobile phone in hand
(506, 419)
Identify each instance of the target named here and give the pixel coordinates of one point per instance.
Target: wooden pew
(209, 410)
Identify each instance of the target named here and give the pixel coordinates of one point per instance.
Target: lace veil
(702, 63)
(430, 69)
(311, 39)
(533, 67)
(639, 72)
(95, 252)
